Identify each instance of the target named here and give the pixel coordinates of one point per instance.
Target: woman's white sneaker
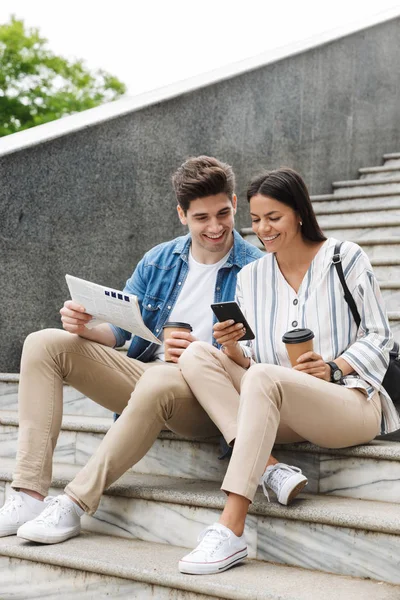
(17, 510)
(286, 481)
(60, 520)
(218, 550)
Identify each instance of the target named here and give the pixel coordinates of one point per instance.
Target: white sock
(78, 509)
(31, 501)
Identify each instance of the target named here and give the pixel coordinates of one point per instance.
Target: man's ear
(234, 203)
(181, 215)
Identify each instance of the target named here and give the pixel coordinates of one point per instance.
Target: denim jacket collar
(237, 255)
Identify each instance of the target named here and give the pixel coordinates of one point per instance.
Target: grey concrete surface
(351, 513)
(90, 203)
(135, 561)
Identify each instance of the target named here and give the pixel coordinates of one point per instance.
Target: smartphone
(231, 310)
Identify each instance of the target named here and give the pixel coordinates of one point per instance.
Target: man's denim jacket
(159, 277)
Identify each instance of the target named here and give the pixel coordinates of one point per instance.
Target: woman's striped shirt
(272, 307)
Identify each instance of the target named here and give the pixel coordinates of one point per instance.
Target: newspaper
(107, 305)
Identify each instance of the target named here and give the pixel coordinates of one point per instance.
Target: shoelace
(53, 512)
(276, 476)
(11, 506)
(208, 538)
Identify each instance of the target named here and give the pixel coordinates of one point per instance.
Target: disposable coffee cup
(298, 341)
(168, 328)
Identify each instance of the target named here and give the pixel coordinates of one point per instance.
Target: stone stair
(340, 540)
(173, 493)
(96, 567)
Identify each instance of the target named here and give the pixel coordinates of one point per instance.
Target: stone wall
(91, 202)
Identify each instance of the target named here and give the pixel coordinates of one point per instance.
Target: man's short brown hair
(200, 177)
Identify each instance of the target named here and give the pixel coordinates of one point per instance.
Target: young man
(175, 281)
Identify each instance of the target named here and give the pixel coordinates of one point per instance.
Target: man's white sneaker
(17, 510)
(60, 520)
(284, 480)
(219, 549)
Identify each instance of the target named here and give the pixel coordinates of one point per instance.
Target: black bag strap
(337, 261)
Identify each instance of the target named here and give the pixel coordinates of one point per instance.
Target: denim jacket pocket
(152, 304)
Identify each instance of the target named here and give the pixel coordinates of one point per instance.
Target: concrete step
(355, 228)
(358, 232)
(387, 269)
(362, 230)
(366, 193)
(379, 185)
(366, 220)
(392, 158)
(315, 532)
(385, 172)
(357, 205)
(381, 248)
(81, 436)
(391, 295)
(75, 403)
(98, 566)
(369, 472)
(395, 327)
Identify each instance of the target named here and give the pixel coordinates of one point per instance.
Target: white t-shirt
(193, 303)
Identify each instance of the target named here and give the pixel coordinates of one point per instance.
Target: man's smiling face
(211, 222)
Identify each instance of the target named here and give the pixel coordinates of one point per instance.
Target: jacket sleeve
(137, 286)
(369, 355)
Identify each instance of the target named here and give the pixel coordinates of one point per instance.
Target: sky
(150, 44)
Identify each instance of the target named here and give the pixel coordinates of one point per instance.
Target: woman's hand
(313, 364)
(228, 333)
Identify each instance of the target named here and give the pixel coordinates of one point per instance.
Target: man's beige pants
(275, 404)
(148, 396)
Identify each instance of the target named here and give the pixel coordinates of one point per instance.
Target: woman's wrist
(236, 353)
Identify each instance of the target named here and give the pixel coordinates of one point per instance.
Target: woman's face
(276, 224)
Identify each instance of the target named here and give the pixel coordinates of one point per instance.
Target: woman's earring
(301, 223)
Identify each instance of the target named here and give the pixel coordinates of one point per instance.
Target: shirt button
(179, 282)
(295, 302)
(169, 308)
(215, 344)
(294, 323)
(218, 288)
(157, 330)
(149, 305)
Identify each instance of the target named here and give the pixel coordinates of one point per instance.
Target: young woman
(333, 397)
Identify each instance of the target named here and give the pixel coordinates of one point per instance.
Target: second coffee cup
(174, 326)
(297, 342)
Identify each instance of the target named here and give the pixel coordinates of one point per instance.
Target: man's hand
(177, 343)
(73, 318)
(227, 333)
(313, 364)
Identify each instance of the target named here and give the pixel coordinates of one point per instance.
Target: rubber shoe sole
(292, 487)
(42, 538)
(200, 568)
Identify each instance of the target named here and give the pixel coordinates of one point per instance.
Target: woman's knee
(262, 372)
(260, 380)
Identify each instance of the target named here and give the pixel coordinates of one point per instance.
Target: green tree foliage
(36, 86)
